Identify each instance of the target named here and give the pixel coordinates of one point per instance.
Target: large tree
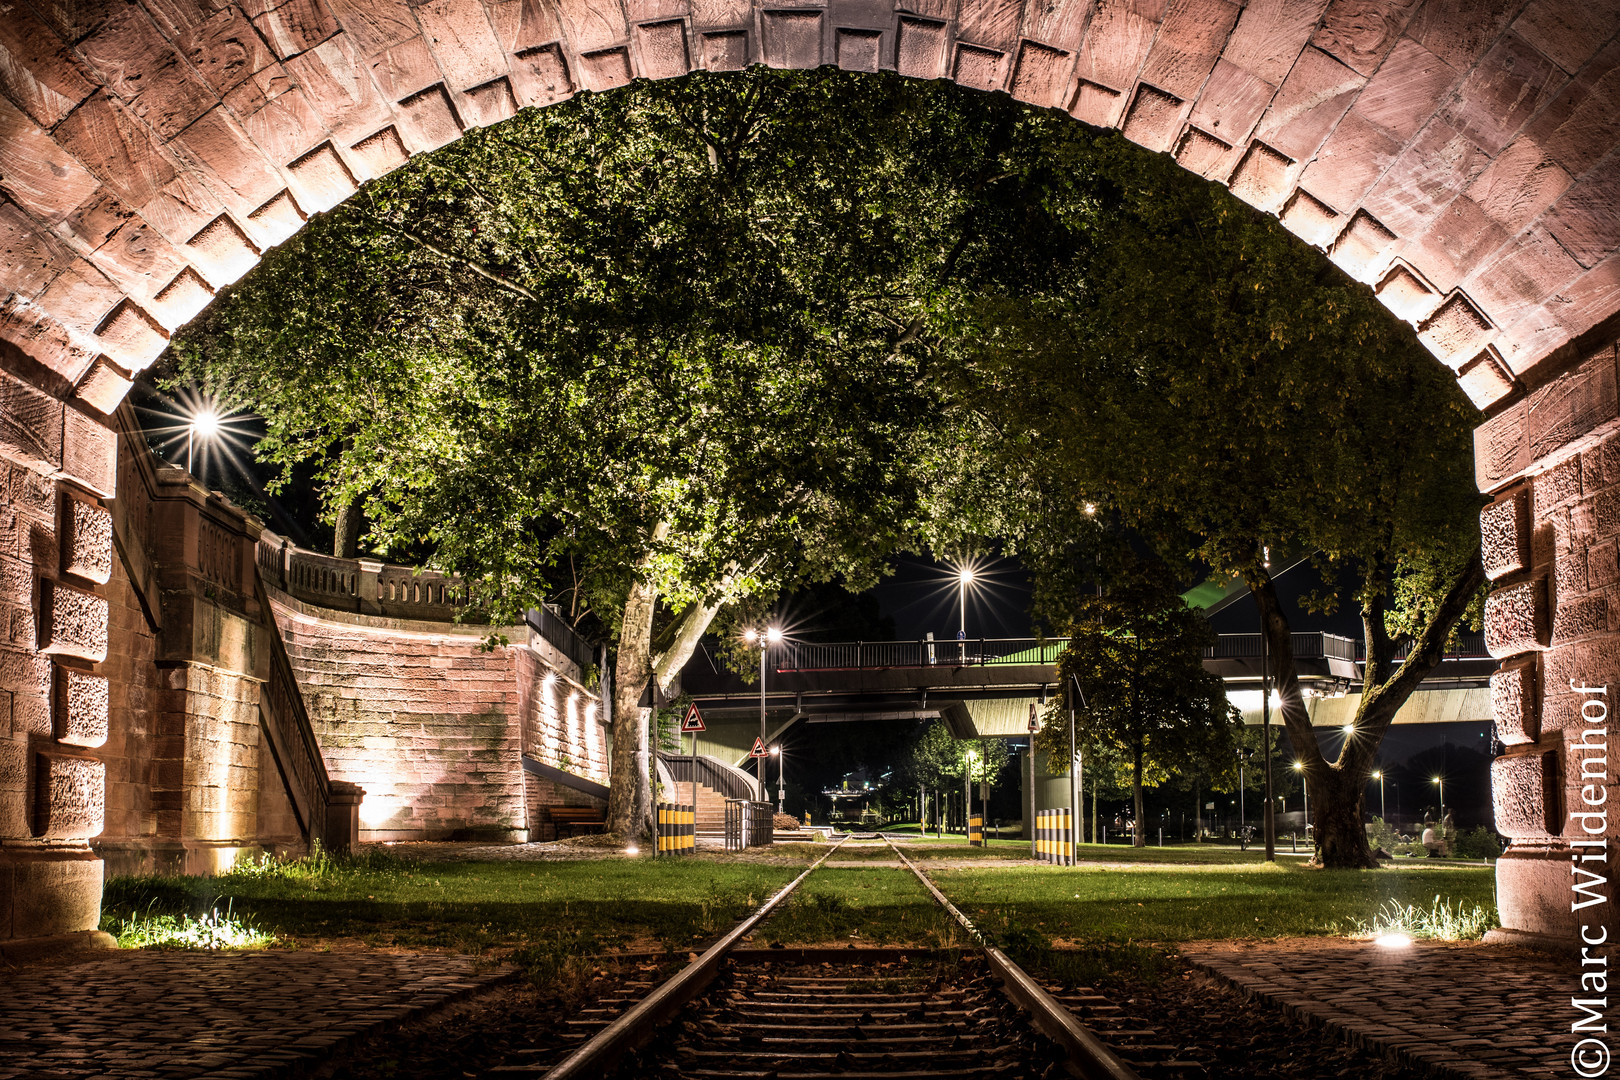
(643, 354)
(1226, 392)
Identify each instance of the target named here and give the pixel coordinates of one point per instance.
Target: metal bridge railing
(796, 656)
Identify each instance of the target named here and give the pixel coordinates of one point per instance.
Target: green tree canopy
(1134, 667)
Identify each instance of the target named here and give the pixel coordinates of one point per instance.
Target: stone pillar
(343, 817)
(366, 587)
(56, 557)
(1550, 461)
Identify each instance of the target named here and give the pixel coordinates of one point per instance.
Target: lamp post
(1305, 788)
(205, 425)
(964, 578)
(1442, 782)
(764, 639)
(1243, 755)
(967, 792)
(781, 763)
(1382, 814)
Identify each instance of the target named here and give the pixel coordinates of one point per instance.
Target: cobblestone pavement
(197, 1014)
(1485, 1012)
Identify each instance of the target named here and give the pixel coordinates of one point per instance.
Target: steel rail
(1089, 1056)
(636, 1027)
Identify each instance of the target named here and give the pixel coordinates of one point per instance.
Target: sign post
(693, 722)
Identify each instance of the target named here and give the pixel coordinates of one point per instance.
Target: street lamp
(967, 791)
(1243, 756)
(764, 639)
(1379, 776)
(964, 578)
(1305, 788)
(781, 763)
(205, 425)
(1442, 782)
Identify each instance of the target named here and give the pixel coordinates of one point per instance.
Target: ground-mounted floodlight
(1393, 941)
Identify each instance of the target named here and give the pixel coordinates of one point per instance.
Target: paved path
(1485, 1012)
(196, 1014)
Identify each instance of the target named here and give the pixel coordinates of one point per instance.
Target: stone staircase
(711, 804)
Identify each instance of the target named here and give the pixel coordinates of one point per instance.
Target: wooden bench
(575, 819)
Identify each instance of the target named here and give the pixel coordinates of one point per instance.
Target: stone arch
(1447, 153)
(1458, 156)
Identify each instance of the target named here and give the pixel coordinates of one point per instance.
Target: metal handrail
(804, 656)
(717, 776)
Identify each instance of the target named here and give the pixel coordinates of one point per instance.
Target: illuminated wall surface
(1458, 159)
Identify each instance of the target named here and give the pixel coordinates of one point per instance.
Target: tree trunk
(1139, 839)
(1341, 839)
(346, 531)
(626, 817)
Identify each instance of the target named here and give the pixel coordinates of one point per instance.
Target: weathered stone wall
(418, 716)
(1552, 549)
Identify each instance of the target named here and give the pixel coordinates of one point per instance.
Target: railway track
(817, 1014)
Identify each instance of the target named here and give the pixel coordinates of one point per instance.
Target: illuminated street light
(1305, 788)
(1379, 776)
(1349, 729)
(204, 425)
(1442, 782)
(764, 639)
(1091, 509)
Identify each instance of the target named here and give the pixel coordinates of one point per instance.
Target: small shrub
(211, 930)
(1477, 843)
(785, 821)
(1443, 922)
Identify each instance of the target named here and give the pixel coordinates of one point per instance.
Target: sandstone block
(1204, 154)
(134, 61)
(223, 251)
(72, 622)
(1515, 703)
(1456, 332)
(1557, 485)
(1441, 161)
(920, 48)
(1309, 104)
(1360, 249)
(1040, 76)
(1406, 294)
(117, 148)
(1516, 619)
(380, 154)
(40, 175)
(464, 43)
(1592, 298)
(1572, 405)
(1117, 41)
(57, 892)
(1403, 93)
(1231, 102)
(340, 90)
(792, 39)
(1525, 793)
(89, 453)
(1263, 178)
(37, 70)
(30, 424)
(428, 120)
(131, 336)
(1188, 45)
(225, 50)
(85, 532)
(860, 49)
(1361, 34)
(296, 27)
(81, 708)
(69, 797)
(1312, 220)
(1508, 86)
(375, 25)
(1586, 220)
(1505, 535)
(1153, 119)
(1485, 380)
(662, 49)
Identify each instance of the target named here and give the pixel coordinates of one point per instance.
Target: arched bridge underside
(1457, 156)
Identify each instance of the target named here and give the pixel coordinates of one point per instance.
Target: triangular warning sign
(693, 720)
(759, 748)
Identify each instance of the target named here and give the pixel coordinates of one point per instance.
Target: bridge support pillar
(1550, 460)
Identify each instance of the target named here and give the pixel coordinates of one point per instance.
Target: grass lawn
(1186, 903)
(877, 906)
(580, 906)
